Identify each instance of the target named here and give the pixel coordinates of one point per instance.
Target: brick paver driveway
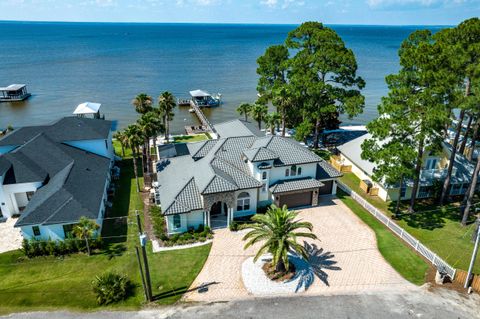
(10, 237)
(352, 262)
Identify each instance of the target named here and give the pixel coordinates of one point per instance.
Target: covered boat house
(14, 92)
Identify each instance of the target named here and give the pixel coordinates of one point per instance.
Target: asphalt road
(419, 304)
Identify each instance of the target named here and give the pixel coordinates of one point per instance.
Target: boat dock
(206, 125)
(13, 93)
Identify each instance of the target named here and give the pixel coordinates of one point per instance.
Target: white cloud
(269, 3)
(421, 3)
(203, 3)
(282, 4)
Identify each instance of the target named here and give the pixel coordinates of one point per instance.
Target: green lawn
(190, 138)
(403, 259)
(48, 283)
(437, 228)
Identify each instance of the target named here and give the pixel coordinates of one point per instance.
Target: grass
(403, 259)
(51, 283)
(190, 138)
(437, 228)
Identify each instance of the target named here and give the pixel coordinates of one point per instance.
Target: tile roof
(260, 154)
(236, 128)
(187, 200)
(295, 184)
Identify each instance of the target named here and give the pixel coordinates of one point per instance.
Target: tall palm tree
(150, 124)
(166, 105)
(284, 100)
(258, 113)
(143, 103)
(244, 109)
(272, 120)
(278, 230)
(134, 137)
(121, 138)
(85, 229)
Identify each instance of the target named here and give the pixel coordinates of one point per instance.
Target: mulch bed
(269, 270)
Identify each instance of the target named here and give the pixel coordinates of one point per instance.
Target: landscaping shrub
(35, 248)
(233, 226)
(201, 234)
(110, 288)
(158, 223)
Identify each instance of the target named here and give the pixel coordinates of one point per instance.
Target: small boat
(14, 92)
(204, 99)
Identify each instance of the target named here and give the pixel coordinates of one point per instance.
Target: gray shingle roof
(73, 180)
(260, 154)
(65, 129)
(296, 184)
(326, 171)
(187, 200)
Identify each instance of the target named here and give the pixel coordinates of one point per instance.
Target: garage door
(298, 199)
(326, 188)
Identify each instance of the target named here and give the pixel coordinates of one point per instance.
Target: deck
(206, 126)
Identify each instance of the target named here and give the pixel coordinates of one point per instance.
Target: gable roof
(236, 128)
(295, 184)
(65, 129)
(353, 150)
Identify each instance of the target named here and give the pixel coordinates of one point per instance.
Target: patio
(11, 239)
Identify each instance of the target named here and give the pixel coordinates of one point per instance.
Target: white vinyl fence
(439, 263)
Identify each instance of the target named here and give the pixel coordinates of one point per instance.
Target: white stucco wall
(253, 202)
(193, 219)
(8, 201)
(278, 173)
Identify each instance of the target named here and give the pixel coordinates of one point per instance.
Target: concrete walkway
(10, 237)
(346, 257)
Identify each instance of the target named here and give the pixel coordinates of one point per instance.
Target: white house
(215, 181)
(52, 175)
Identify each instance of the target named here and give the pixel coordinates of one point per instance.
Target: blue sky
(396, 12)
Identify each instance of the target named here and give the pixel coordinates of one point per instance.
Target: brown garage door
(298, 199)
(326, 188)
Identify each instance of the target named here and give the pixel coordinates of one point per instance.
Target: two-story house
(52, 175)
(213, 182)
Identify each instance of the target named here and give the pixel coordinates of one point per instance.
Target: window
(177, 222)
(29, 195)
(403, 191)
(299, 171)
(264, 175)
(36, 231)
(293, 170)
(243, 201)
(67, 230)
(431, 163)
(287, 172)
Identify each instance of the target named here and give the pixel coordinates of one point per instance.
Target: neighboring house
(434, 170)
(213, 182)
(52, 175)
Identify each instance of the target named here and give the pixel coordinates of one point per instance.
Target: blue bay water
(65, 64)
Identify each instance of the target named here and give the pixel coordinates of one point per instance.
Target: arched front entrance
(218, 210)
(219, 215)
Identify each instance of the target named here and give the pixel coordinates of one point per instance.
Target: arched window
(287, 172)
(299, 171)
(264, 175)
(243, 202)
(293, 170)
(177, 222)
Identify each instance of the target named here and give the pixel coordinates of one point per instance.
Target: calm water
(64, 64)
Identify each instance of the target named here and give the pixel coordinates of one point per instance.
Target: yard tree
(258, 113)
(134, 138)
(462, 47)
(121, 138)
(166, 105)
(323, 72)
(284, 99)
(414, 109)
(272, 120)
(244, 109)
(151, 125)
(143, 103)
(272, 70)
(303, 131)
(85, 229)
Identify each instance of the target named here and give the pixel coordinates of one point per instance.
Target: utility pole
(141, 273)
(143, 243)
(474, 255)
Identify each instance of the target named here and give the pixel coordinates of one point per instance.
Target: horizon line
(224, 23)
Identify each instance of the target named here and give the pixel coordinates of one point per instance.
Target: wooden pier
(206, 125)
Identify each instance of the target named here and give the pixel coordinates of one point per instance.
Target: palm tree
(150, 125)
(85, 229)
(166, 105)
(258, 113)
(142, 103)
(244, 109)
(121, 138)
(134, 138)
(272, 120)
(284, 100)
(278, 230)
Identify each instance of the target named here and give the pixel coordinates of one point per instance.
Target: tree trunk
(446, 184)
(167, 131)
(88, 246)
(465, 136)
(155, 143)
(397, 206)
(272, 129)
(316, 135)
(416, 181)
(470, 193)
(135, 170)
(246, 117)
(123, 150)
(284, 121)
(259, 124)
(474, 139)
(280, 267)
